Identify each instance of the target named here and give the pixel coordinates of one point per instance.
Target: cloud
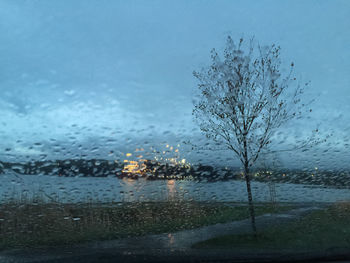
(78, 71)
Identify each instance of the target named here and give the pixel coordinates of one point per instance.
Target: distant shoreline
(164, 171)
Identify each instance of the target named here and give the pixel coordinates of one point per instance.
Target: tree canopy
(245, 97)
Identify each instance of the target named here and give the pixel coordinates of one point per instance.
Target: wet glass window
(192, 131)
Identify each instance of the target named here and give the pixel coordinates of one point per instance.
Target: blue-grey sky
(83, 72)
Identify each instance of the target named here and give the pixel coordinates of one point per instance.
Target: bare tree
(244, 98)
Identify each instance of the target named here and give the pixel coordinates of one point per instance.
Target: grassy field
(320, 230)
(35, 225)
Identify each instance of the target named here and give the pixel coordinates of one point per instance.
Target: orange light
(134, 167)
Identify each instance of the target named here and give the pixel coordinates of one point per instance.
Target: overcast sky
(83, 72)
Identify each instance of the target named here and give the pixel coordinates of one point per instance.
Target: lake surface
(108, 189)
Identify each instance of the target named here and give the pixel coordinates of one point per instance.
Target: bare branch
(245, 98)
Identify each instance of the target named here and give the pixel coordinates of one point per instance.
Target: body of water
(111, 189)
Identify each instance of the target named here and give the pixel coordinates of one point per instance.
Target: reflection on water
(171, 189)
(171, 239)
(111, 189)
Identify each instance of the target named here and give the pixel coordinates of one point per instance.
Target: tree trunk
(250, 199)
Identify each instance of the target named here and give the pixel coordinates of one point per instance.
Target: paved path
(184, 239)
(154, 246)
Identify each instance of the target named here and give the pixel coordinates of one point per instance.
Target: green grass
(35, 225)
(319, 230)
